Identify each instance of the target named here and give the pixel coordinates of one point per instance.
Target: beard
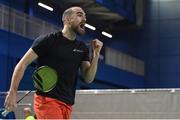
(78, 29)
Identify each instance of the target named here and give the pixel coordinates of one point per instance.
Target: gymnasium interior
(138, 75)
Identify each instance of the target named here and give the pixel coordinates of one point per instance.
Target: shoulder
(47, 36)
(44, 40)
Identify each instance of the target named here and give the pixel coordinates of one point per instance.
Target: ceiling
(103, 18)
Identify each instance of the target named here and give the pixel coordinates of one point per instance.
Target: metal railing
(23, 24)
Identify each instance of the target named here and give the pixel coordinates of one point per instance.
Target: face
(78, 20)
(26, 113)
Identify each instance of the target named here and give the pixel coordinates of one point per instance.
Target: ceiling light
(45, 6)
(106, 34)
(90, 26)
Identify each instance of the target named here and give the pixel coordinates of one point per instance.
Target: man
(66, 55)
(28, 114)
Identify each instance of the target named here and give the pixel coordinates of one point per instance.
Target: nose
(84, 19)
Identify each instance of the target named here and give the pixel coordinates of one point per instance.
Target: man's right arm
(18, 73)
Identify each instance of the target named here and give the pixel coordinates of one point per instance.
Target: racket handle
(5, 113)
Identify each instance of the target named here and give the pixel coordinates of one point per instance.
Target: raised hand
(96, 47)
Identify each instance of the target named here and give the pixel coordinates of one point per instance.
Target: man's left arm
(88, 70)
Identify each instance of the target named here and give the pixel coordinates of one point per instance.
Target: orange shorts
(49, 108)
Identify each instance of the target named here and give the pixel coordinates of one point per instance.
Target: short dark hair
(67, 13)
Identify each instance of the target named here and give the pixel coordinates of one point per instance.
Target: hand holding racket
(9, 109)
(10, 102)
(44, 80)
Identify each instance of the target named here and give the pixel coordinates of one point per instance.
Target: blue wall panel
(162, 20)
(170, 46)
(169, 9)
(168, 81)
(4, 42)
(27, 83)
(3, 72)
(125, 8)
(51, 17)
(12, 48)
(119, 77)
(170, 64)
(16, 4)
(13, 45)
(151, 9)
(18, 45)
(169, 28)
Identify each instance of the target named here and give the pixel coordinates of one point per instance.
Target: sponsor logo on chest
(78, 51)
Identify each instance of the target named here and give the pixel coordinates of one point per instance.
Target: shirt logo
(79, 51)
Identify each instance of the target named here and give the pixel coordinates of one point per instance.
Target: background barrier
(119, 104)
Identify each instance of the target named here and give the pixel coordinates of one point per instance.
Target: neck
(68, 33)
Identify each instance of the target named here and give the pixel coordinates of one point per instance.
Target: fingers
(8, 106)
(92, 44)
(6, 103)
(96, 44)
(10, 102)
(96, 47)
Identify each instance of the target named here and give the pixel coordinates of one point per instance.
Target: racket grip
(5, 113)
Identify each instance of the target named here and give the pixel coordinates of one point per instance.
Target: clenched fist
(96, 47)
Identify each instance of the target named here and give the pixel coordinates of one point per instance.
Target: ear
(69, 19)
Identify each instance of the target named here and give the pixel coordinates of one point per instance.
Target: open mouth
(82, 26)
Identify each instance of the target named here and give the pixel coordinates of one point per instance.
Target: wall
(160, 36)
(156, 42)
(119, 104)
(31, 8)
(12, 48)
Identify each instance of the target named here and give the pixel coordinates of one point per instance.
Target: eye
(79, 15)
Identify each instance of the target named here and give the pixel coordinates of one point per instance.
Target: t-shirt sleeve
(86, 53)
(41, 45)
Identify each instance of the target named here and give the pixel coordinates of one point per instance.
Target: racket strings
(37, 82)
(45, 79)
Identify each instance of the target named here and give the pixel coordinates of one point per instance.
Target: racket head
(45, 78)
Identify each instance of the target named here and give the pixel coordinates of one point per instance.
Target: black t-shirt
(65, 56)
